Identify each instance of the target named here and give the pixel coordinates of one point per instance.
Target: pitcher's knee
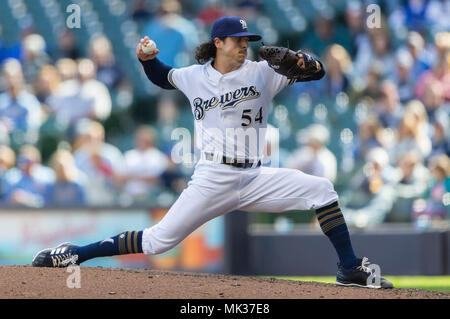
(327, 185)
(325, 191)
(155, 241)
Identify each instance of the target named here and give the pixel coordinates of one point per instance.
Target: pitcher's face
(234, 49)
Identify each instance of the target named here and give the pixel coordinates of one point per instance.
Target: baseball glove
(284, 61)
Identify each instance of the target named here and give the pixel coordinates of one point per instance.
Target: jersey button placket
(221, 85)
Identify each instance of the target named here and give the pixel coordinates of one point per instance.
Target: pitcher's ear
(216, 41)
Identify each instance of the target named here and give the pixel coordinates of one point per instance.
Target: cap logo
(244, 24)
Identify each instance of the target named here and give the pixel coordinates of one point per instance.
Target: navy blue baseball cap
(232, 27)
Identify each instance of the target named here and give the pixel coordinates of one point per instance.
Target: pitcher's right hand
(143, 56)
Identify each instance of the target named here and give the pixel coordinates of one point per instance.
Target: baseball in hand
(149, 48)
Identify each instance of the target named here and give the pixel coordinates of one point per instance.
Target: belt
(233, 162)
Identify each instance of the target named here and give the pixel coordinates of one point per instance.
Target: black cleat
(358, 276)
(63, 255)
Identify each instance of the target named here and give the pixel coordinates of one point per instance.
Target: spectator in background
(7, 161)
(354, 21)
(67, 46)
(410, 137)
(171, 41)
(368, 137)
(325, 34)
(434, 207)
(80, 95)
(4, 134)
(417, 109)
(67, 190)
(140, 11)
(314, 157)
(47, 83)
(388, 107)
(440, 73)
(108, 70)
(437, 12)
(91, 89)
(411, 178)
(167, 121)
(402, 76)
(441, 45)
(420, 15)
(247, 9)
(440, 139)
(20, 111)
(433, 98)
(25, 185)
(144, 165)
(34, 56)
(175, 20)
(98, 160)
(211, 11)
(338, 65)
(371, 84)
(67, 68)
(67, 103)
(421, 56)
(370, 195)
(376, 54)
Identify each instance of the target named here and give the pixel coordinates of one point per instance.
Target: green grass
(436, 283)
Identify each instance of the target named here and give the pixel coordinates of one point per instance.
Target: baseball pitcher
(230, 98)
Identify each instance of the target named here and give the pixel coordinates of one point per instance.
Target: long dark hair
(206, 51)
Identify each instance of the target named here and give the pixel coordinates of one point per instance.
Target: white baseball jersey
(228, 107)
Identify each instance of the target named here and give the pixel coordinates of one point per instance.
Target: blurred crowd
(377, 125)
(397, 80)
(67, 98)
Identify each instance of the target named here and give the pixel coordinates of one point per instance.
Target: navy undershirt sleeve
(157, 72)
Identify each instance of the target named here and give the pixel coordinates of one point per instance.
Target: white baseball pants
(216, 189)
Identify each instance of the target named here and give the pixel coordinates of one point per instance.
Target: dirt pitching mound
(31, 282)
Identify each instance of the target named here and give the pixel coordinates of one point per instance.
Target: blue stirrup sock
(333, 225)
(129, 242)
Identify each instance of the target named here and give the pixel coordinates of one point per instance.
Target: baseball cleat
(358, 276)
(63, 255)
